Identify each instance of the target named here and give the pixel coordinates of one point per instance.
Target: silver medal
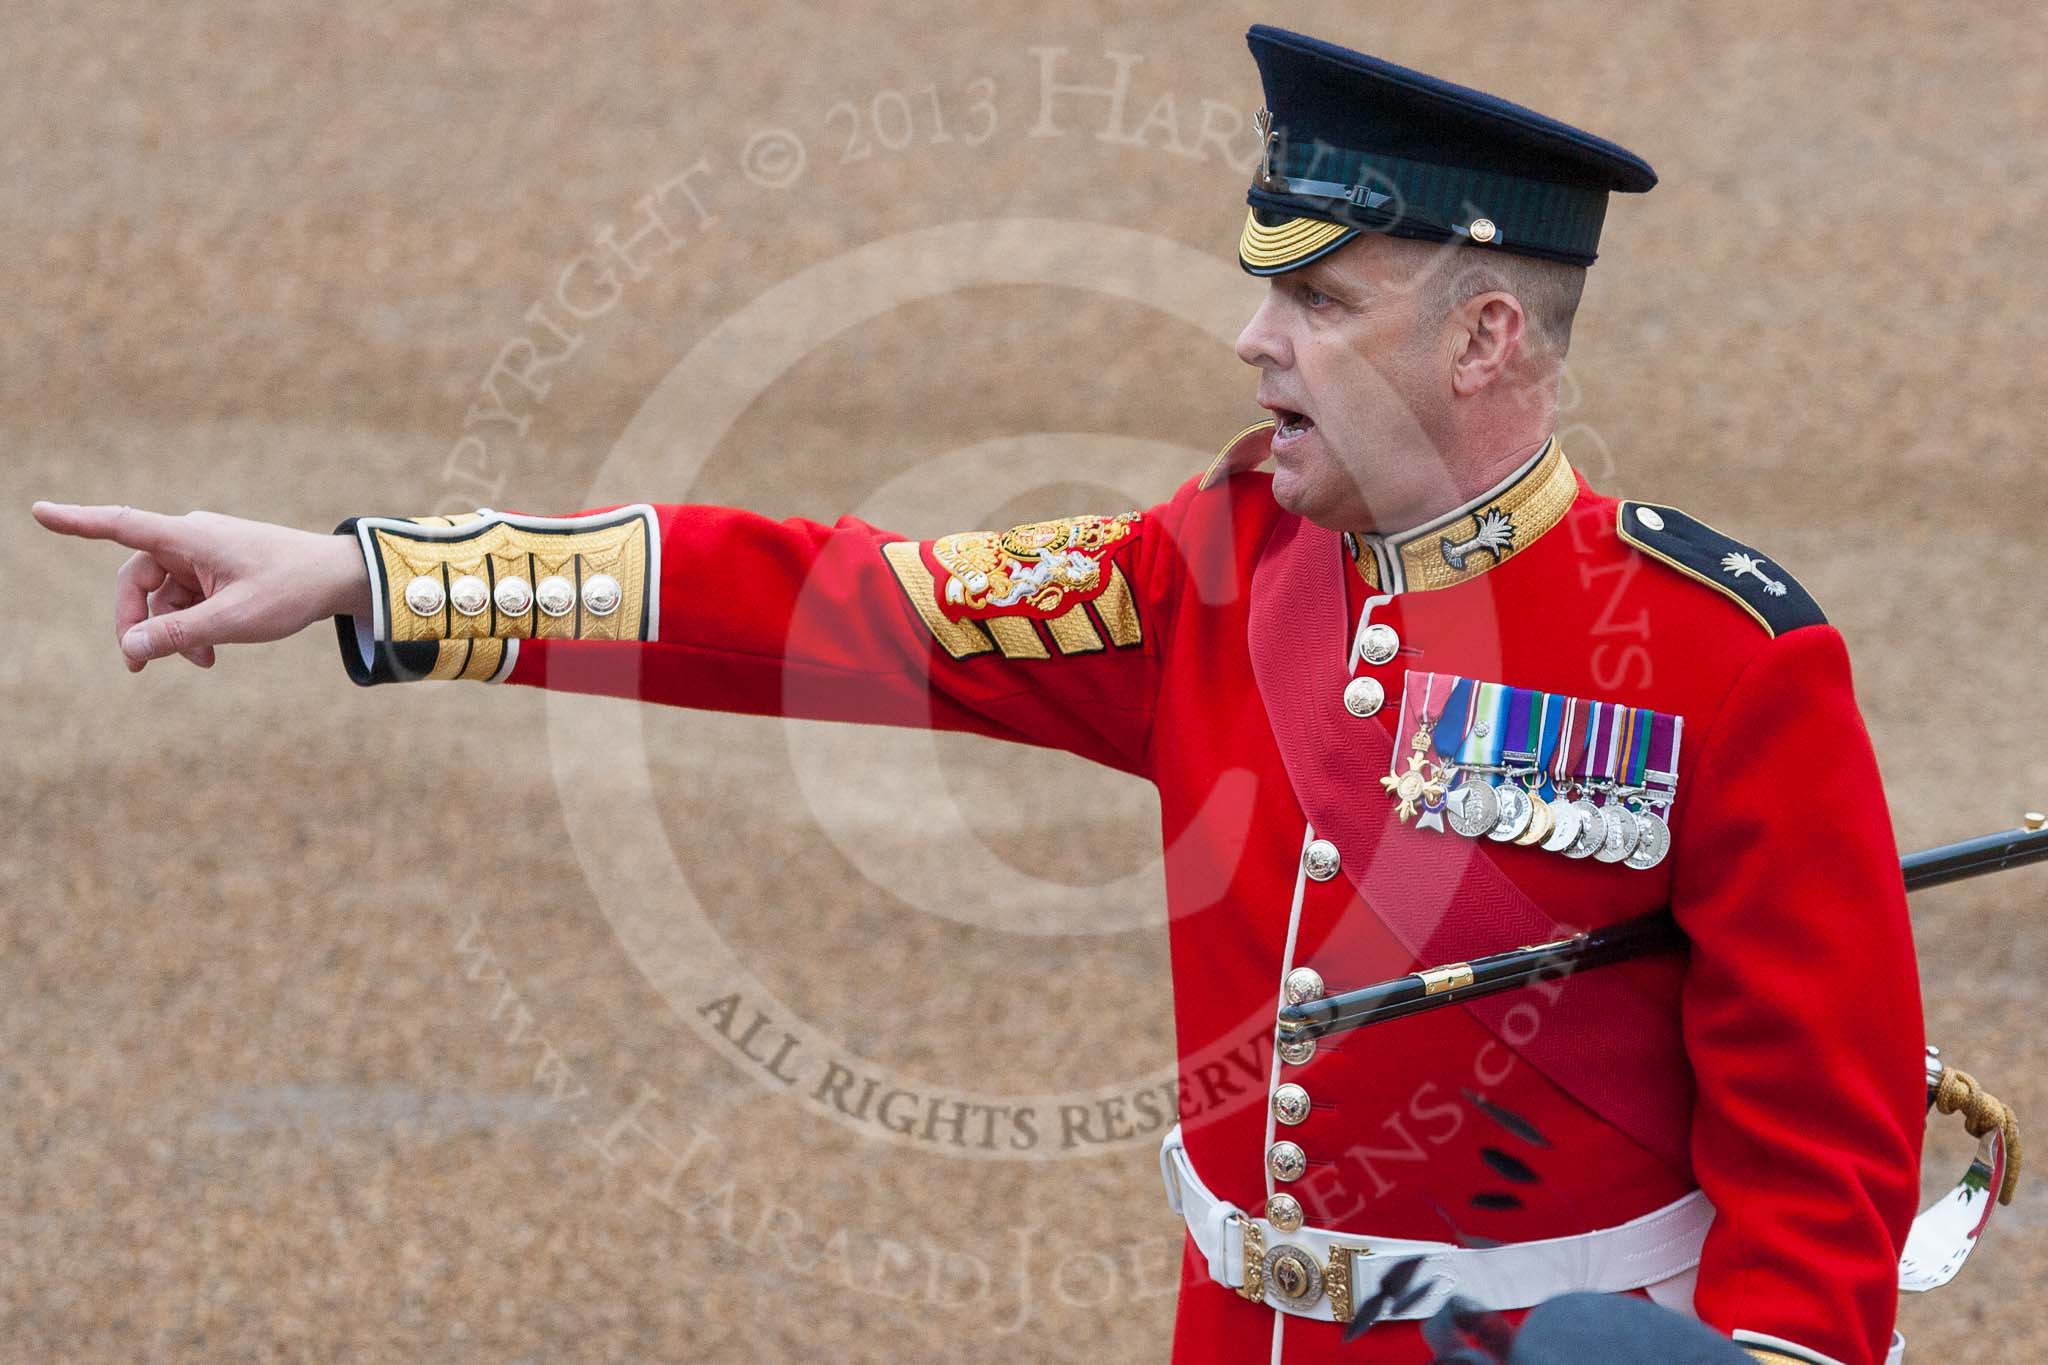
(1515, 813)
(1653, 843)
(1618, 835)
(1472, 809)
(1590, 830)
(1564, 825)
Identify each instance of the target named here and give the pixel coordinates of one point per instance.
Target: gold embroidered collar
(1466, 542)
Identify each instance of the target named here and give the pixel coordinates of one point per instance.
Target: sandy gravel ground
(331, 1027)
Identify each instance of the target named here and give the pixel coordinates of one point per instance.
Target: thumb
(176, 632)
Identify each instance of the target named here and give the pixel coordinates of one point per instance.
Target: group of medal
(1586, 779)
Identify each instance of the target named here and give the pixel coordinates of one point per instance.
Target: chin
(1295, 493)
(1313, 499)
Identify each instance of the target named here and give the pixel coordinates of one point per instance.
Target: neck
(1466, 477)
(1485, 440)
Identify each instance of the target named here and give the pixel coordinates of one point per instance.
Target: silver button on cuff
(1379, 644)
(1283, 1211)
(423, 596)
(1302, 984)
(1320, 860)
(513, 595)
(1364, 696)
(1286, 1161)
(469, 595)
(1290, 1104)
(556, 595)
(601, 594)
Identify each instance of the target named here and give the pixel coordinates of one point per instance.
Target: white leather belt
(1313, 1273)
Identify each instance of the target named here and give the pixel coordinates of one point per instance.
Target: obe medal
(1564, 825)
(1590, 830)
(1652, 844)
(1422, 785)
(1472, 809)
(1619, 831)
(1515, 813)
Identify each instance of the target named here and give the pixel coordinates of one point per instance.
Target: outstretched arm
(1048, 633)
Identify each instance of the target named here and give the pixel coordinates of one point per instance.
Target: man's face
(1356, 364)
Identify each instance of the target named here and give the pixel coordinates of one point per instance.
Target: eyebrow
(1326, 281)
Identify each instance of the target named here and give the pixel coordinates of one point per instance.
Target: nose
(1263, 343)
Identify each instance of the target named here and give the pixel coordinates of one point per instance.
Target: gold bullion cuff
(1777, 1351)
(452, 597)
(498, 576)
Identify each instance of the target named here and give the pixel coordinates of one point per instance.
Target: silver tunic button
(601, 594)
(1321, 860)
(1283, 1211)
(1650, 518)
(1286, 1161)
(556, 595)
(1379, 644)
(469, 595)
(1302, 984)
(423, 596)
(1297, 1051)
(1364, 696)
(1290, 1104)
(513, 595)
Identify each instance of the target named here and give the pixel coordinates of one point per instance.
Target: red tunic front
(1794, 1084)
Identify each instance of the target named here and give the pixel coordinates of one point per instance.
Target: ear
(1487, 339)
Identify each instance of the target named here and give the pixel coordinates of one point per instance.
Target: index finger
(130, 526)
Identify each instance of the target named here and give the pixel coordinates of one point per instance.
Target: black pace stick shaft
(1974, 857)
(1420, 992)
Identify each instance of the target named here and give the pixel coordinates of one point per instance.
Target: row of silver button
(1363, 697)
(555, 595)
(1286, 1160)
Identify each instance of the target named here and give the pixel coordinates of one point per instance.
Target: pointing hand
(203, 579)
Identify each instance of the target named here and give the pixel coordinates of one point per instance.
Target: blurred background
(324, 1035)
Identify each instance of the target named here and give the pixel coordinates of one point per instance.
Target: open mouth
(1292, 423)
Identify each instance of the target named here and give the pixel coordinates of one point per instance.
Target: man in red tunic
(1417, 695)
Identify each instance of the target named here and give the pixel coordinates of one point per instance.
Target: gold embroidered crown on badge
(1038, 569)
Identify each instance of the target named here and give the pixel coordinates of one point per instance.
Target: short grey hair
(1549, 291)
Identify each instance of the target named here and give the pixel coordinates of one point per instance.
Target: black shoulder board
(1697, 550)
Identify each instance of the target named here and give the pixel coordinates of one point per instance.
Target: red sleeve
(1801, 1011)
(1047, 634)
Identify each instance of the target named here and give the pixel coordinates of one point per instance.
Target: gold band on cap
(1263, 247)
